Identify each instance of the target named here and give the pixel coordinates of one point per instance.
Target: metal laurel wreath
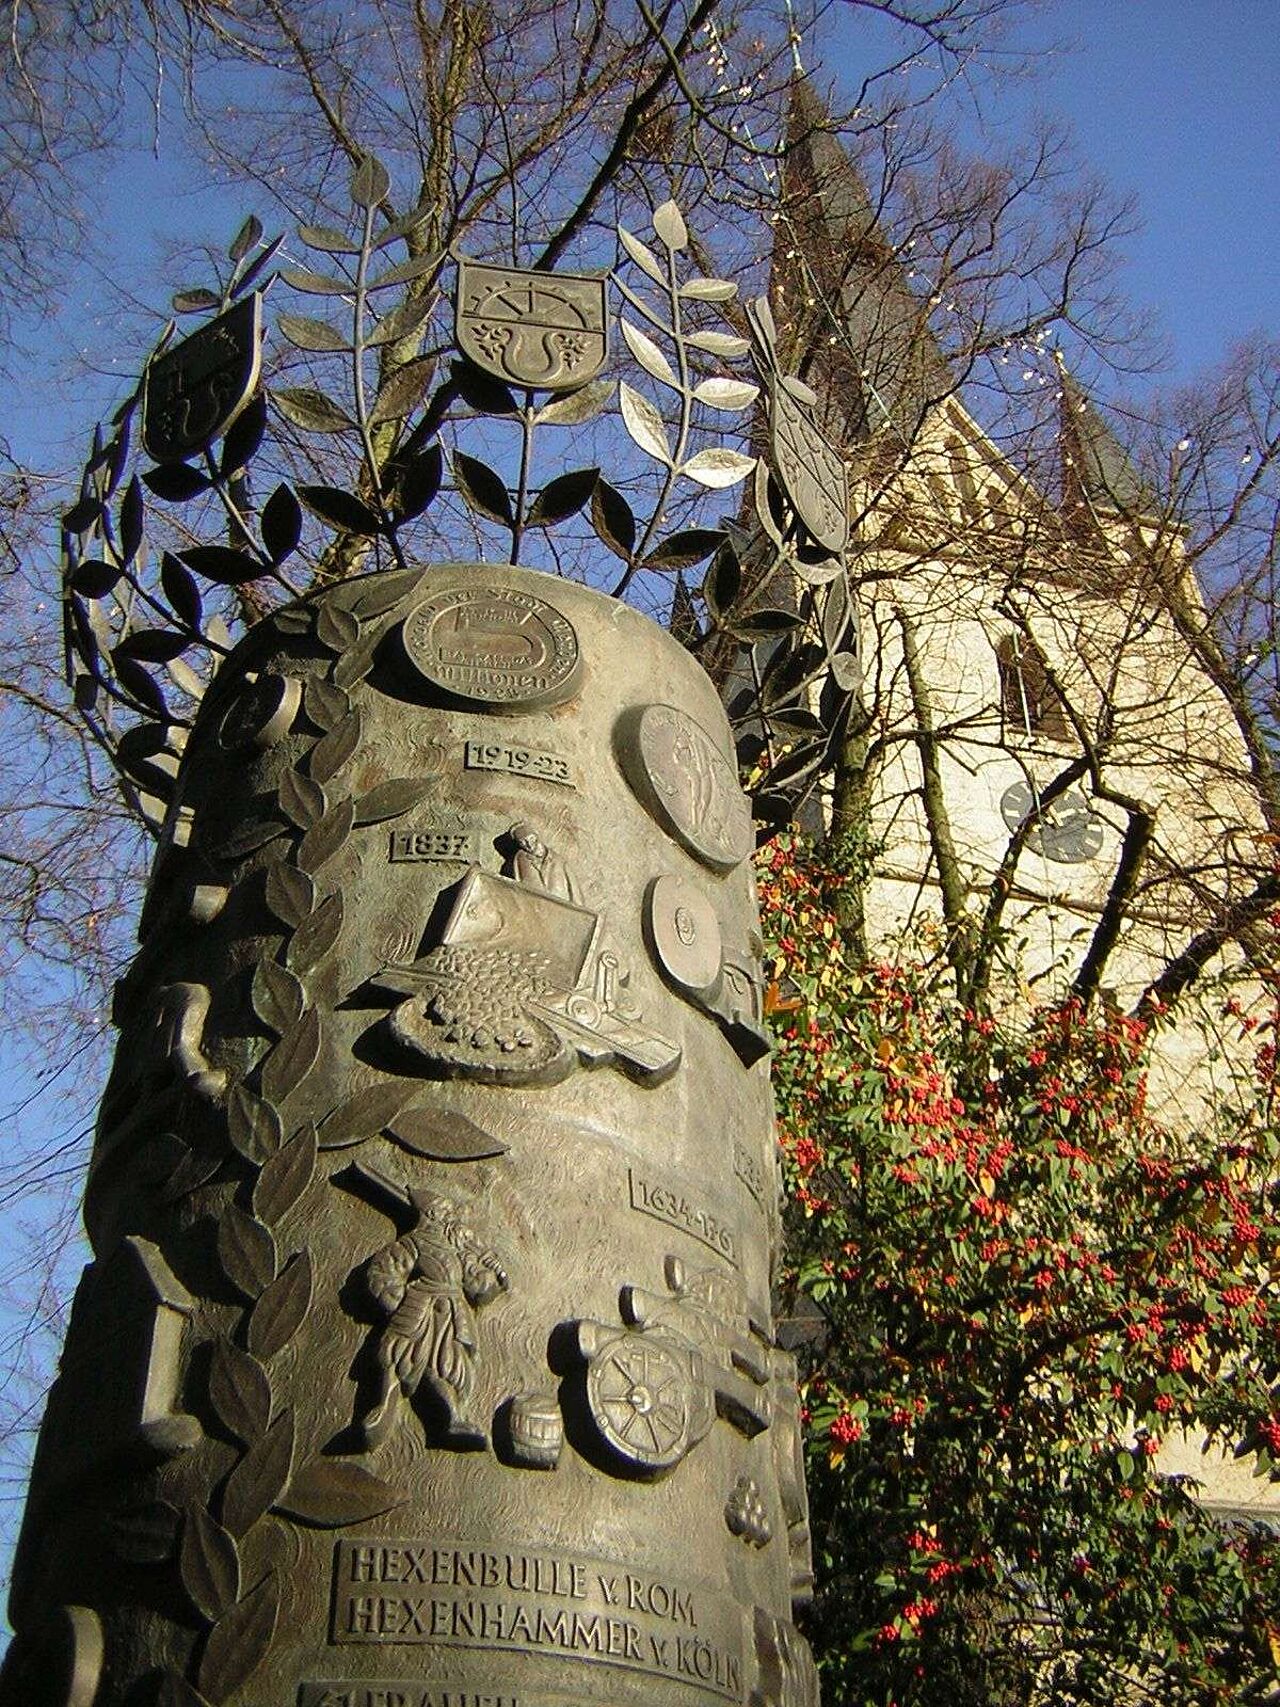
(152, 604)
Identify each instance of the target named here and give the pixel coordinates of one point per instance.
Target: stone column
(426, 1356)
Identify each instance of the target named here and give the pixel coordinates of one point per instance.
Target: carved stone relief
(684, 934)
(519, 988)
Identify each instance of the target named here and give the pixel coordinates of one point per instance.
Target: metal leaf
(132, 516)
(644, 423)
(419, 482)
(846, 671)
(209, 1563)
(482, 489)
(765, 624)
(222, 564)
(278, 997)
(292, 1059)
(340, 509)
(194, 300)
(649, 355)
(94, 578)
(279, 1312)
(239, 1391)
(246, 1251)
(643, 256)
(139, 685)
(680, 550)
(248, 237)
(577, 407)
(179, 587)
(311, 410)
(257, 266)
(613, 519)
(723, 583)
(314, 938)
(562, 497)
(153, 645)
(304, 803)
(260, 1477)
(316, 284)
(304, 333)
(176, 482)
(286, 1176)
(336, 628)
(244, 438)
(669, 224)
(328, 240)
(718, 468)
(252, 1125)
(389, 799)
(444, 1135)
(370, 182)
(719, 343)
(709, 290)
(403, 320)
(239, 1643)
(333, 750)
(481, 390)
(414, 268)
(324, 704)
(329, 1493)
(726, 393)
(799, 390)
(325, 837)
(363, 1115)
(402, 392)
(835, 613)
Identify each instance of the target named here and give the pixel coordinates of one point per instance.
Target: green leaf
(482, 489)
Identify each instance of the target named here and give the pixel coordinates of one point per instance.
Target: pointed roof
(888, 366)
(1097, 473)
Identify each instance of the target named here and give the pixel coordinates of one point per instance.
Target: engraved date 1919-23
(519, 761)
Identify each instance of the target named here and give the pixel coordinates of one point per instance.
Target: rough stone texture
(426, 1355)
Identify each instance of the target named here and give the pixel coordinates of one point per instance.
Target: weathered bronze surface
(426, 1355)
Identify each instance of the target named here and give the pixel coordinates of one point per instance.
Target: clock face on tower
(1067, 830)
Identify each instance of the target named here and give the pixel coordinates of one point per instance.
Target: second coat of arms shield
(544, 331)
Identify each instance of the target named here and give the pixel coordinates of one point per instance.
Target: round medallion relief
(494, 645)
(685, 933)
(691, 787)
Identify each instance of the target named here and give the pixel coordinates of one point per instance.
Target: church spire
(1097, 473)
(860, 334)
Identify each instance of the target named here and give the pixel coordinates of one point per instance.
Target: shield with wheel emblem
(546, 331)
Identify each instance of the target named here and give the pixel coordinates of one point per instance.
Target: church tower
(1035, 726)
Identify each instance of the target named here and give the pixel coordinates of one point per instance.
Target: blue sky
(1176, 102)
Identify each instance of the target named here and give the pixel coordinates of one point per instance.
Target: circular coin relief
(691, 787)
(260, 713)
(685, 933)
(494, 645)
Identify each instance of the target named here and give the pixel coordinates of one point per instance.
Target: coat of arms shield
(195, 390)
(545, 331)
(811, 470)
